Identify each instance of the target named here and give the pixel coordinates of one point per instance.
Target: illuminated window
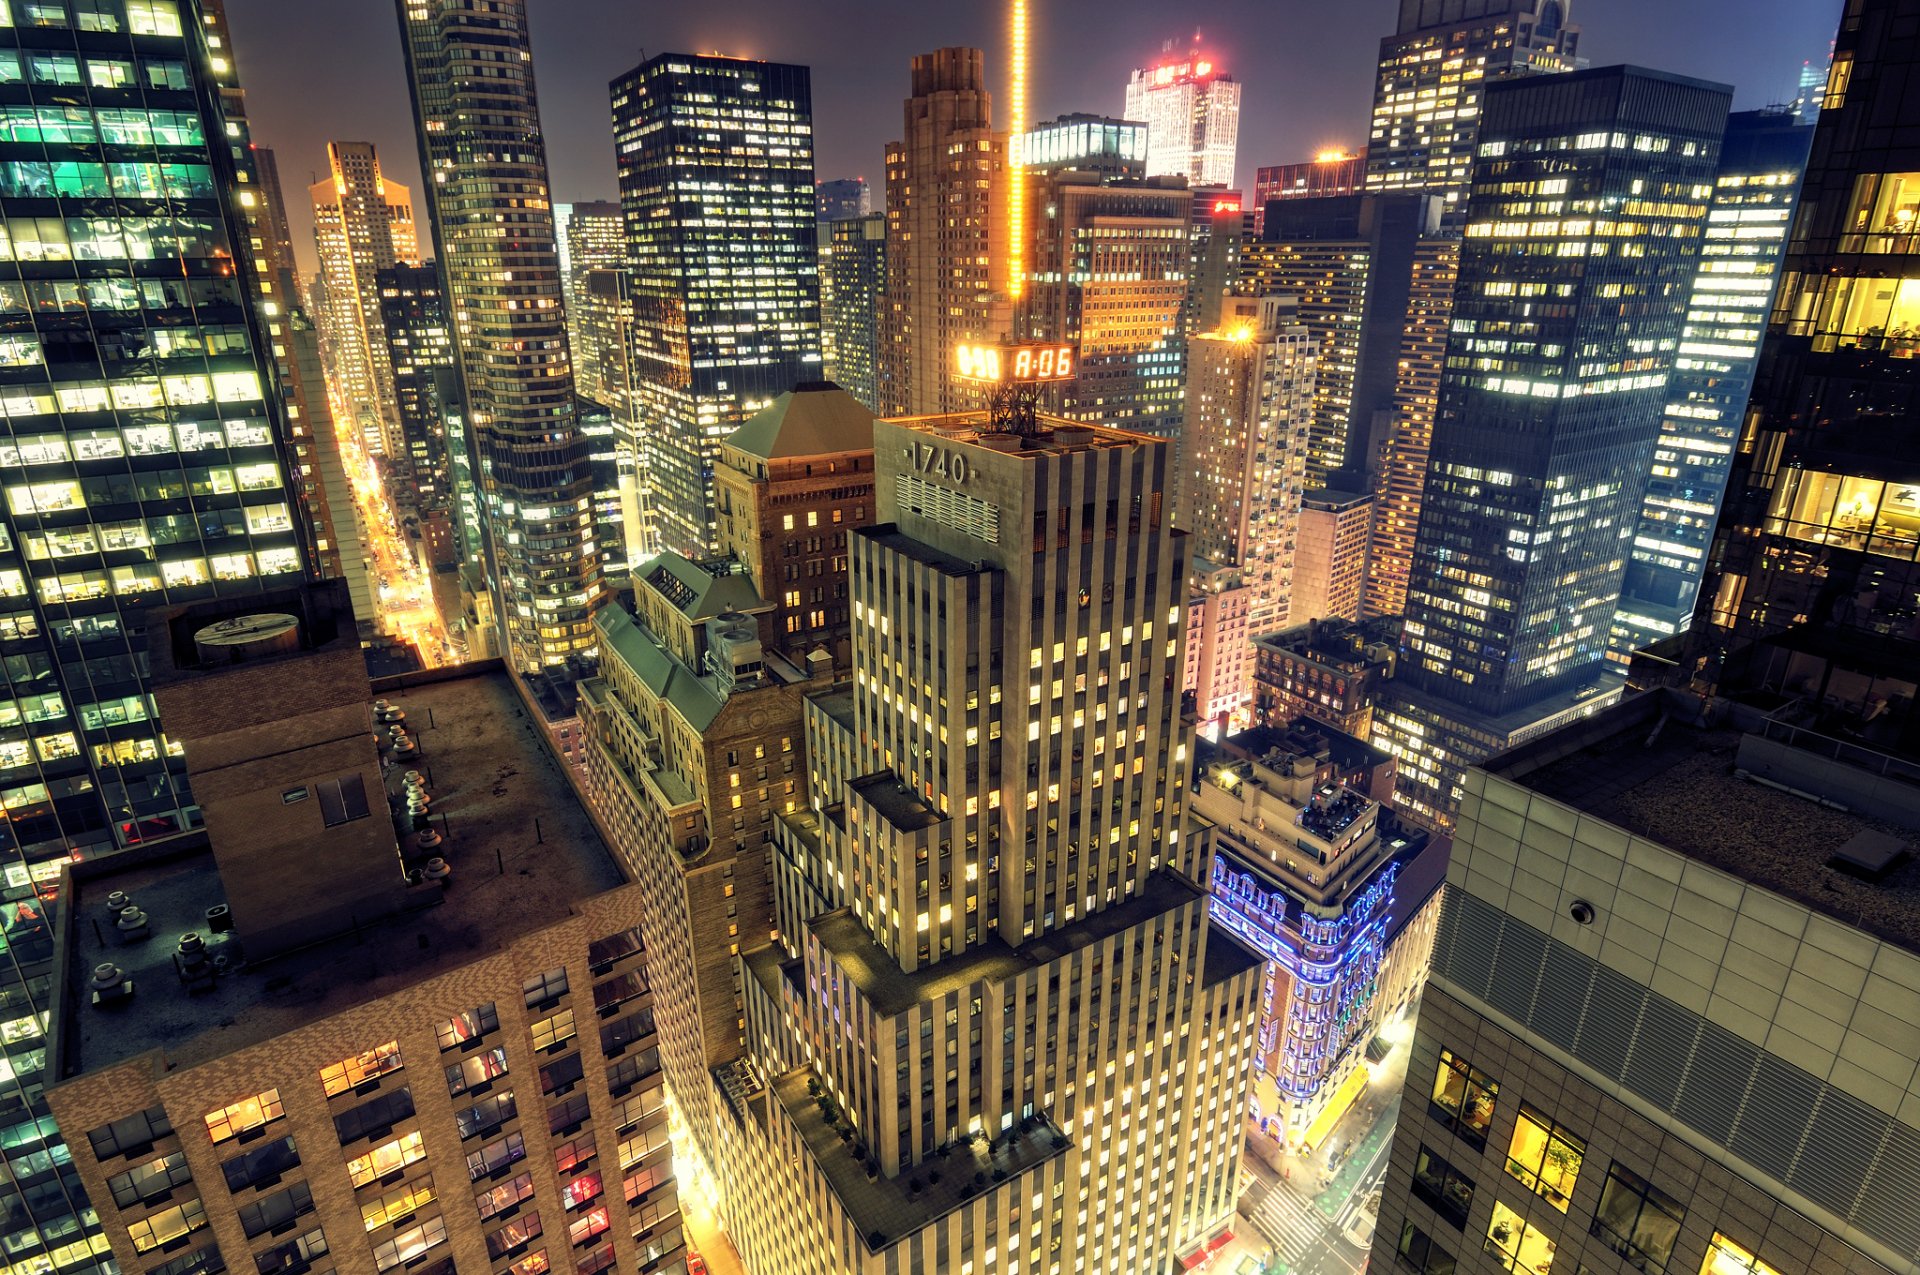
(248, 1113)
(549, 1032)
(503, 1197)
(1637, 1220)
(398, 1204)
(1463, 1098)
(1518, 1246)
(410, 1243)
(1724, 1257)
(384, 1159)
(167, 1226)
(350, 1073)
(463, 1029)
(1545, 1157)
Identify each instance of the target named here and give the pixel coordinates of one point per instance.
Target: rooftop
(892, 990)
(504, 804)
(701, 590)
(885, 1210)
(895, 802)
(815, 419)
(1649, 766)
(1056, 436)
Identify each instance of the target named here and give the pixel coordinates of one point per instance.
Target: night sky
(320, 72)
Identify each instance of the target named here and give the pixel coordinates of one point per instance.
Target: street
(402, 587)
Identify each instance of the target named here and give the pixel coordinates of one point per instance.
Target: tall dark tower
(1589, 199)
(1813, 587)
(715, 159)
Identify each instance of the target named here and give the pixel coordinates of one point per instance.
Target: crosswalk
(1289, 1222)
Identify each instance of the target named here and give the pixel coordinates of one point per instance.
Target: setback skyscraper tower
(470, 70)
(946, 236)
(1192, 112)
(715, 159)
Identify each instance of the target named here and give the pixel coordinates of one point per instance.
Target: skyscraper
(947, 259)
(1814, 578)
(419, 337)
(948, 1137)
(1761, 160)
(488, 203)
(1192, 112)
(715, 160)
(594, 239)
(1434, 68)
(1548, 414)
(146, 461)
(1243, 453)
(1107, 272)
(853, 286)
(362, 224)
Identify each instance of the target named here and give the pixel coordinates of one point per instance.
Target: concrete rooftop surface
(491, 776)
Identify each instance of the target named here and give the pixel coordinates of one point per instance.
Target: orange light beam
(1016, 157)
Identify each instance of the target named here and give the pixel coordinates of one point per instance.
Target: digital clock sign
(1013, 364)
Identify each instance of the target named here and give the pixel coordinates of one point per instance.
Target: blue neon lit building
(1314, 873)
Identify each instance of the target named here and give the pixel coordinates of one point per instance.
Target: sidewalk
(703, 1236)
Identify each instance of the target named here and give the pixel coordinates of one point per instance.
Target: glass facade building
(470, 70)
(853, 278)
(1589, 200)
(1814, 579)
(715, 160)
(1761, 160)
(143, 465)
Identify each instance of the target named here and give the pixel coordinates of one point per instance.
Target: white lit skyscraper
(715, 159)
(1192, 112)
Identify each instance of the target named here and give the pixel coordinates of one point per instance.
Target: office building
(87, 766)
(1328, 670)
(419, 341)
(1243, 454)
(1107, 273)
(1812, 87)
(1350, 259)
(593, 238)
(1330, 566)
(853, 289)
(1218, 235)
(362, 224)
(791, 485)
(1334, 171)
(1761, 160)
(1668, 1024)
(937, 1168)
(842, 198)
(461, 1071)
(1192, 112)
(1216, 681)
(1315, 875)
(1432, 76)
(948, 281)
(1814, 576)
(528, 458)
(609, 447)
(1399, 467)
(726, 291)
(1547, 420)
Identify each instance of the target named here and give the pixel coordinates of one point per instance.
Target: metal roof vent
(109, 984)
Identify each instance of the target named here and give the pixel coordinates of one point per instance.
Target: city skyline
(1307, 82)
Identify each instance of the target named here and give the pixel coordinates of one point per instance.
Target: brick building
(790, 484)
